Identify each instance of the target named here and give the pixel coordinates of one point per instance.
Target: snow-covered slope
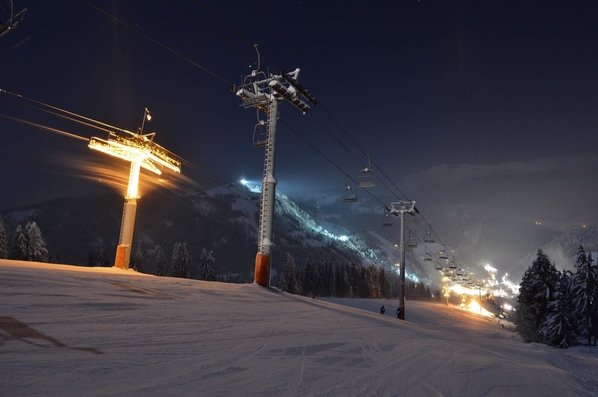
(67, 331)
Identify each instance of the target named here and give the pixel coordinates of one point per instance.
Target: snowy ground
(72, 331)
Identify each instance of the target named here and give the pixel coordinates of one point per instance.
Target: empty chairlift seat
(366, 177)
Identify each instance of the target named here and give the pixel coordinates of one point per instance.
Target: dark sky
(415, 83)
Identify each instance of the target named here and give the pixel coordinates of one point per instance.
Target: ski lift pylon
(366, 177)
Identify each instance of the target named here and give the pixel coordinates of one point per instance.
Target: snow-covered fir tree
(307, 280)
(160, 262)
(38, 252)
(384, 286)
(328, 278)
(289, 276)
(374, 282)
(137, 260)
(584, 287)
(181, 260)
(536, 290)
(559, 329)
(343, 288)
(19, 244)
(27, 244)
(3, 241)
(98, 257)
(207, 266)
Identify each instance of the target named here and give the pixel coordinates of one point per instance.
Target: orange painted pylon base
(261, 270)
(120, 256)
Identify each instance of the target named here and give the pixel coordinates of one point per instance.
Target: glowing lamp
(141, 152)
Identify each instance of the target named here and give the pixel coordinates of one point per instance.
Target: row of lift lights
(367, 179)
(447, 268)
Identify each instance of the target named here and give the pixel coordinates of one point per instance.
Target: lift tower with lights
(399, 209)
(141, 151)
(266, 93)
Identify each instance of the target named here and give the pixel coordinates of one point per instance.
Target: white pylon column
(262, 258)
(399, 209)
(141, 151)
(125, 241)
(265, 93)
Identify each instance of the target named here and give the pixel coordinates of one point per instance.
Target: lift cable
(279, 66)
(214, 16)
(91, 123)
(160, 43)
(232, 85)
(239, 35)
(251, 60)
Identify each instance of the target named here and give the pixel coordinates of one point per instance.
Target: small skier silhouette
(382, 310)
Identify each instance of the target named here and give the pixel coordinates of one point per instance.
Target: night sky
(415, 84)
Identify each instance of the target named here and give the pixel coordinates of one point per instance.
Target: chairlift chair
(412, 242)
(442, 254)
(366, 177)
(10, 20)
(349, 194)
(427, 255)
(387, 220)
(428, 237)
(16, 17)
(260, 134)
(438, 266)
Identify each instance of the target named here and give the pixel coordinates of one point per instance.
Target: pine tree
(594, 303)
(207, 265)
(584, 290)
(137, 260)
(307, 280)
(103, 259)
(560, 323)
(329, 280)
(374, 282)
(19, 245)
(289, 276)
(3, 241)
(536, 290)
(384, 286)
(36, 249)
(346, 281)
(317, 280)
(27, 244)
(160, 262)
(181, 261)
(98, 258)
